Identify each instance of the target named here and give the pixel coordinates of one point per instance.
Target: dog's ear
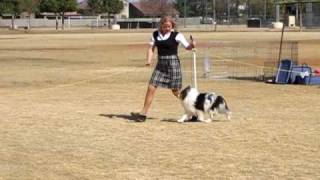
(184, 92)
(187, 88)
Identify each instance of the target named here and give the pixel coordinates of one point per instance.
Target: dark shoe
(139, 117)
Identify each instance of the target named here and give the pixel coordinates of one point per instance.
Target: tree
(29, 6)
(59, 7)
(5, 7)
(50, 6)
(181, 6)
(260, 8)
(158, 8)
(225, 9)
(193, 7)
(196, 8)
(10, 7)
(67, 6)
(115, 7)
(105, 6)
(96, 6)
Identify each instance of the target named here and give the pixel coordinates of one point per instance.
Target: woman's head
(167, 24)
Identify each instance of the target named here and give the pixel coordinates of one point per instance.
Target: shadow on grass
(170, 120)
(194, 119)
(122, 116)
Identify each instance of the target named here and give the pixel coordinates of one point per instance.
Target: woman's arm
(187, 45)
(191, 45)
(150, 55)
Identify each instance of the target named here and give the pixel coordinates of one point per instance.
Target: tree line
(59, 7)
(218, 9)
(226, 8)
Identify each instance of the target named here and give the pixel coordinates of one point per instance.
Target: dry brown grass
(65, 103)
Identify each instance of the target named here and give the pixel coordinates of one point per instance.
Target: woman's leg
(148, 99)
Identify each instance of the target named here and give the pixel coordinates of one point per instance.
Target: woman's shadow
(132, 118)
(122, 116)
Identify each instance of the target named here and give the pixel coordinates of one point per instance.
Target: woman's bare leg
(148, 99)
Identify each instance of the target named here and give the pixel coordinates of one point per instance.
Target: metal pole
(194, 66)
(206, 10)
(213, 10)
(97, 22)
(265, 10)
(281, 41)
(228, 11)
(280, 50)
(297, 12)
(185, 13)
(214, 14)
(248, 8)
(277, 13)
(69, 22)
(301, 11)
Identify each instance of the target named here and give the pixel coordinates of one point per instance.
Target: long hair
(165, 19)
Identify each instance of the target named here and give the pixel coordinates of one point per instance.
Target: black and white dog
(202, 105)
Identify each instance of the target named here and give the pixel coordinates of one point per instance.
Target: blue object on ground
(284, 71)
(300, 74)
(314, 80)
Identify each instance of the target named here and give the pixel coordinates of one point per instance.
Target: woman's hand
(192, 44)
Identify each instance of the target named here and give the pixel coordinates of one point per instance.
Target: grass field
(65, 100)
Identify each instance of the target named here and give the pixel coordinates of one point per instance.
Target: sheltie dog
(202, 105)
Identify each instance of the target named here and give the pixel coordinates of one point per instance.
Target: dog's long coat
(202, 104)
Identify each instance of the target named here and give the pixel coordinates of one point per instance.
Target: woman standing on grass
(167, 73)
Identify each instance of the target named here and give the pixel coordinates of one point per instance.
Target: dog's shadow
(176, 121)
(132, 118)
(193, 120)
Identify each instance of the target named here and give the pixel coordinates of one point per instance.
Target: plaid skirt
(167, 73)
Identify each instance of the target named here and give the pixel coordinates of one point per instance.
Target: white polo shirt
(179, 38)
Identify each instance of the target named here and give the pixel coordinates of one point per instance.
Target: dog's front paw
(207, 121)
(183, 118)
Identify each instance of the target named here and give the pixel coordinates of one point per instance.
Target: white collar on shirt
(165, 36)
